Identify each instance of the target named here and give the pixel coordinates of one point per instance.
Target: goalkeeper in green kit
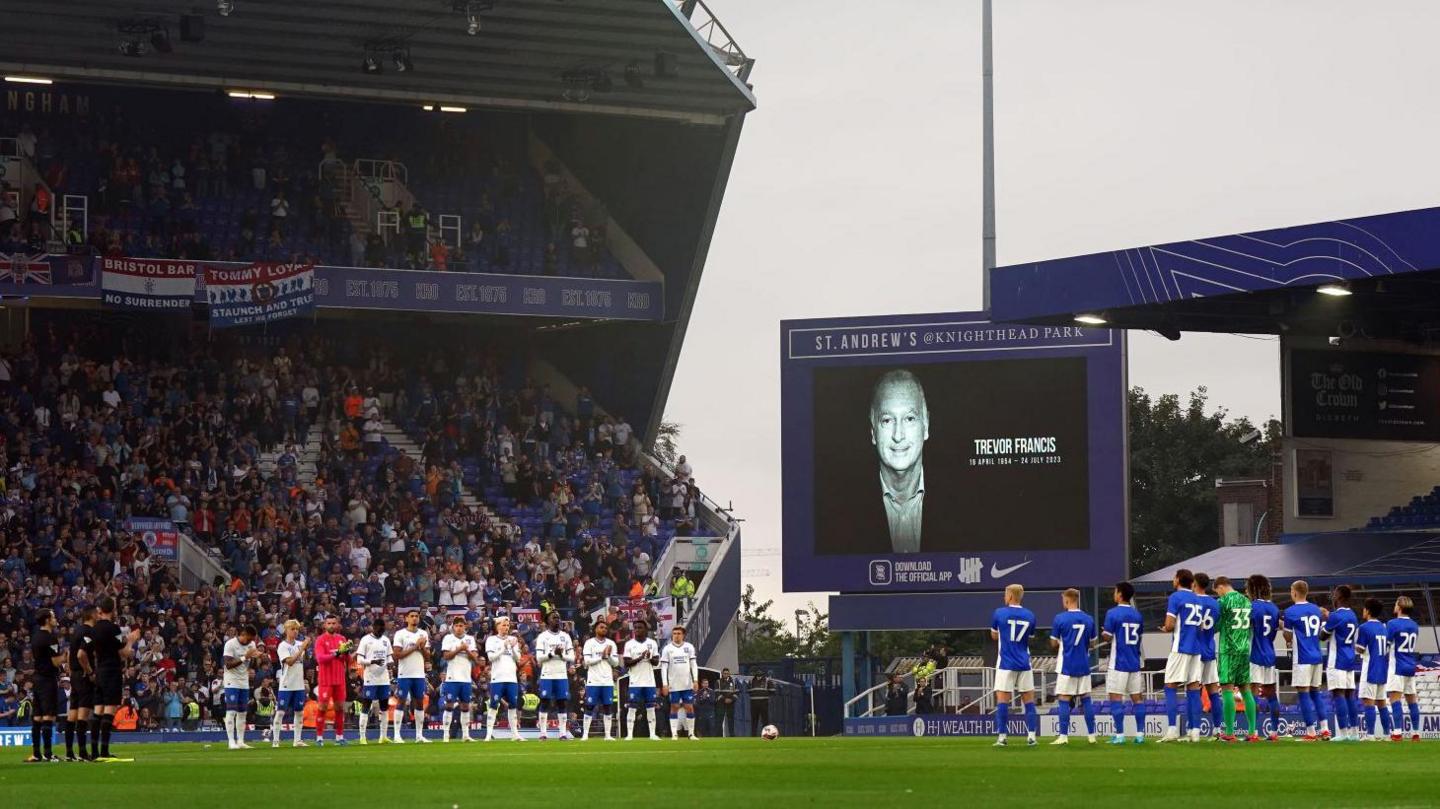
(1234, 657)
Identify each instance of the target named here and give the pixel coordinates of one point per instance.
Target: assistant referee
(45, 650)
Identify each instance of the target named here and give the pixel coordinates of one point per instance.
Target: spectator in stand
(683, 470)
(417, 231)
(550, 263)
(896, 697)
(279, 213)
(439, 255)
(924, 696)
(579, 243)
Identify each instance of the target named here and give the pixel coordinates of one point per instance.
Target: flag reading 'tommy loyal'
(258, 293)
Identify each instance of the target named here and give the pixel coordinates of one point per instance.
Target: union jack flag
(19, 268)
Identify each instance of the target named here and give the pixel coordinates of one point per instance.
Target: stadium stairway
(397, 439)
(306, 463)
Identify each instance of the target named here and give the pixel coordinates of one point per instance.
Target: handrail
(946, 685)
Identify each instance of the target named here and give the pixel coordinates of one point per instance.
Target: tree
(666, 447)
(1176, 452)
(763, 638)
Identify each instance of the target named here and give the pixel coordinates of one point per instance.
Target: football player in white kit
(679, 671)
(461, 654)
(374, 654)
(291, 654)
(411, 650)
(554, 651)
(600, 662)
(504, 651)
(240, 652)
(641, 653)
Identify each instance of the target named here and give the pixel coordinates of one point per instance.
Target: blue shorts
(237, 699)
(456, 693)
(291, 701)
(642, 695)
(599, 695)
(410, 688)
(686, 697)
(510, 692)
(555, 689)
(374, 692)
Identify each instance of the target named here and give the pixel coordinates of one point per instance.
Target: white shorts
(1400, 685)
(1183, 669)
(1014, 682)
(1068, 686)
(1263, 675)
(1124, 683)
(1209, 672)
(1305, 675)
(1337, 680)
(1372, 691)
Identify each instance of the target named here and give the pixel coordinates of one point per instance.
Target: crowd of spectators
(94, 431)
(243, 183)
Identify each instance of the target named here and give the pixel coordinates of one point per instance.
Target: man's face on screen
(899, 425)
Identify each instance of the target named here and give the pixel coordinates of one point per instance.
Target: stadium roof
(1350, 557)
(315, 47)
(1264, 282)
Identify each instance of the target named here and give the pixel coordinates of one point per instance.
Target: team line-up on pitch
(99, 649)
(1222, 643)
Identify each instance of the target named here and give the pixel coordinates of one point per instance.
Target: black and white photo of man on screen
(899, 428)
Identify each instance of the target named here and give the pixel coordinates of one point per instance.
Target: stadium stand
(325, 476)
(1423, 511)
(305, 182)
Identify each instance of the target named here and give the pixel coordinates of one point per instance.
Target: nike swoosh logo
(1002, 572)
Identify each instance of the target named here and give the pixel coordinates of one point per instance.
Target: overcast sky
(856, 189)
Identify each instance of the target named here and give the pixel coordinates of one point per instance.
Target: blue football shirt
(1015, 625)
(1074, 630)
(1404, 639)
(1188, 617)
(1265, 624)
(1209, 616)
(1343, 627)
(1305, 622)
(1376, 642)
(1123, 625)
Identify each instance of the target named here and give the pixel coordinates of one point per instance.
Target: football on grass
(770, 733)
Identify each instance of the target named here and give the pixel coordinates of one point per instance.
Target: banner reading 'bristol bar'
(151, 284)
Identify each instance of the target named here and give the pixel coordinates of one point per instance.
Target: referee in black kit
(45, 650)
(112, 648)
(82, 686)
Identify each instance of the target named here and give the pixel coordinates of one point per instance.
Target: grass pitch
(740, 773)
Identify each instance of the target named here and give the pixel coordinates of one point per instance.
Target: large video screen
(943, 452)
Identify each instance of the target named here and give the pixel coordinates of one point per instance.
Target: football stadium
(339, 461)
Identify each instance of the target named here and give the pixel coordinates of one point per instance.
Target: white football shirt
(457, 669)
(678, 667)
(600, 661)
(292, 677)
(238, 677)
(412, 665)
(642, 674)
(504, 654)
(554, 650)
(375, 653)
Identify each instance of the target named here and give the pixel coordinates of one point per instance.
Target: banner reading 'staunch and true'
(258, 293)
(147, 283)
